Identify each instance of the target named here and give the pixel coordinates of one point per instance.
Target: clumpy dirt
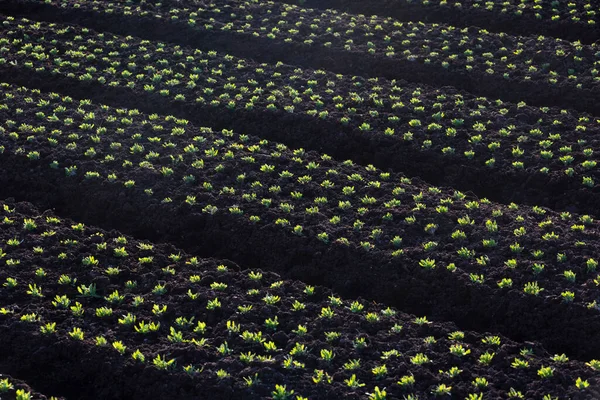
(13, 388)
(348, 269)
(82, 369)
(471, 13)
(76, 301)
(526, 185)
(535, 92)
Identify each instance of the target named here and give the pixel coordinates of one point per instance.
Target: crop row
(569, 20)
(333, 215)
(542, 71)
(472, 49)
(391, 123)
(157, 306)
(14, 389)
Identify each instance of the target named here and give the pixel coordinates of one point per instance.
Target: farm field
(538, 155)
(162, 322)
(241, 194)
(276, 200)
(537, 70)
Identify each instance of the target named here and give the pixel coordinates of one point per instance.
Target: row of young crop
(568, 20)
(471, 50)
(158, 306)
(435, 126)
(245, 177)
(259, 188)
(15, 389)
(583, 12)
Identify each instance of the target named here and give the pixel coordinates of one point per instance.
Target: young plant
(162, 362)
(353, 382)
(327, 355)
(378, 394)
(281, 393)
(379, 371)
(5, 385)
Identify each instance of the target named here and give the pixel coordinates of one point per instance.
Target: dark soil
(78, 369)
(528, 186)
(494, 21)
(265, 50)
(236, 202)
(23, 388)
(374, 275)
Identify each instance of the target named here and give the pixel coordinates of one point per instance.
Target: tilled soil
(536, 92)
(217, 220)
(15, 389)
(218, 346)
(472, 13)
(423, 153)
(226, 256)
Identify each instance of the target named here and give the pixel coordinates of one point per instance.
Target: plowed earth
(237, 260)
(85, 368)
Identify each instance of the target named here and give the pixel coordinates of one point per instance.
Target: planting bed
(542, 156)
(137, 320)
(232, 199)
(392, 238)
(533, 58)
(568, 20)
(538, 70)
(14, 389)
